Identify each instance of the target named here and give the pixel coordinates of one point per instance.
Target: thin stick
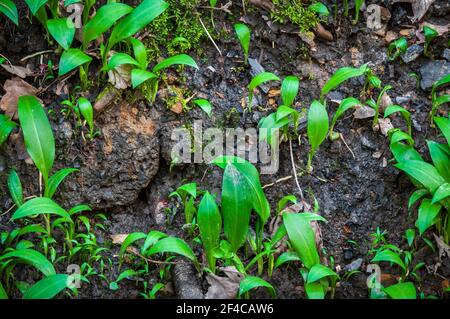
(295, 171)
(342, 139)
(35, 54)
(209, 36)
(277, 181)
(14, 205)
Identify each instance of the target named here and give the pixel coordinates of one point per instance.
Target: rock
(412, 53)
(363, 112)
(120, 163)
(348, 253)
(390, 36)
(368, 144)
(446, 54)
(431, 71)
(185, 277)
(354, 265)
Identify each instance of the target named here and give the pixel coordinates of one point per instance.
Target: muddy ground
(126, 171)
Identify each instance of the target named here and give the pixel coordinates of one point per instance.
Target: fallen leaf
(224, 287)
(17, 70)
(390, 36)
(419, 7)
(363, 112)
(274, 92)
(323, 33)
(385, 126)
(118, 239)
(15, 88)
(120, 76)
(265, 4)
(177, 108)
(385, 101)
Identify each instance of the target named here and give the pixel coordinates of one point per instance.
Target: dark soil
(126, 172)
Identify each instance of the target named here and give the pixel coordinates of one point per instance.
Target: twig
(35, 54)
(55, 81)
(342, 139)
(295, 171)
(209, 36)
(14, 205)
(222, 8)
(277, 181)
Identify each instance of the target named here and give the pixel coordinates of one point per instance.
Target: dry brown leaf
(385, 101)
(363, 112)
(120, 77)
(17, 70)
(419, 7)
(15, 88)
(118, 239)
(323, 33)
(385, 126)
(224, 287)
(274, 92)
(177, 108)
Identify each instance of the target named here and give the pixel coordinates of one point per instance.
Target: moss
(296, 12)
(177, 30)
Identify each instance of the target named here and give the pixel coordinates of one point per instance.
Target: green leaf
(315, 290)
(429, 33)
(284, 111)
(251, 176)
(427, 215)
(131, 238)
(283, 202)
(139, 76)
(442, 81)
(340, 76)
(441, 159)
(302, 238)
(37, 134)
(38, 206)
(319, 8)
(140, 53)
(391, 109)
(71, 59)
(418, 194)
(142, 15)
(56, 179)
(204, 105)
(87, 111)
(35, 5)
(397, 47)
(33, 258)
(62, 30)
(410, 234)
(48, 287)
(404, 153)
(243, 34)
(105, 17)
(319, 271)
(152, 237)
(289, 90)
(286, 257)
(251, 282)
(345, 105)
(175, 246)
(389, 256)
(269, 125)
(317, 128)
(210, 225)
(180, 59)
(15, 188)
(236, 206)
(258, 80)
(8, 8)
(426, 174)
(396, 136)
(403, 290)
(6, 126)
(444, 125)
(119, 59)
(441, 193)
(189, 188)
(3, 294)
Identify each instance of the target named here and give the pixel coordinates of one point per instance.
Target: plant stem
(295, 170)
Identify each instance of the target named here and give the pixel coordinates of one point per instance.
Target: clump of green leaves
(430, 34)
(6, 127)
(344, 105)
(243, 34)
(438, 100)
(397, 48)
(392, 109)
(358, 5)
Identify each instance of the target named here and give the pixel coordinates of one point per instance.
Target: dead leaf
(440, 29)
(274, 92)
(363, 112)
(419, 7)
(385, 101)
(17, 70)
(177, 108)
(224, 287)
(385, 126)
(390, 36)
(323, 33)
(120, 76)
(15, 88)
(118, 239)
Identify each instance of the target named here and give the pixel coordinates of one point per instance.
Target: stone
(431, 71)
(446, 54)
(412, 53)
(354, 265)
(119, 163)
